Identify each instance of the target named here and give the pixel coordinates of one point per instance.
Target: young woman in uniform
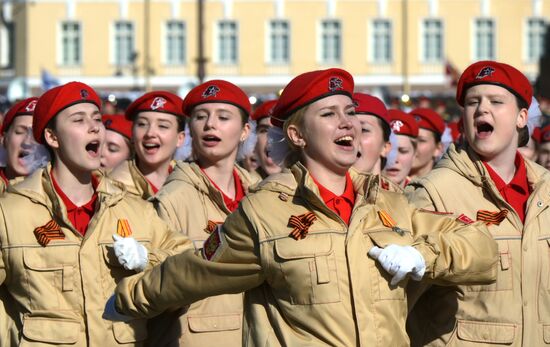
(429, 145)
(262, 117)
(198, 196)
(118, 137)
(158, 130)
(298, 243)
(487, 180)
(405, 129)
(58, 261)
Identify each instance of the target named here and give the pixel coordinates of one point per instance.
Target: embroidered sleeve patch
(464, 219)
(213, 244)
(211, 226)
(123, 228)
(490, 217)
(46, 233)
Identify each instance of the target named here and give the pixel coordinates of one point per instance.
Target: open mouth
(211, 140)
(93, 148)
(23, 154)
(344, 141)
(484, 129)
(151, 146)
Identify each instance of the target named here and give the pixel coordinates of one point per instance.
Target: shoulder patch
(213, 245)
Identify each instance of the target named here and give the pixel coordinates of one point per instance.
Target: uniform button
(539, 204)
(524, 302)
(525, 247)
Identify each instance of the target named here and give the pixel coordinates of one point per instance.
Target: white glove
(400, 261)
(110, 312)
(130, 253)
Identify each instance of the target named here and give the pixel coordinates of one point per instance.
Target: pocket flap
(110, 256)
(49, 258)
(215, 323)
(51, 330)
(388, 237)
(131, 331)
(312, 245)
(486, 332)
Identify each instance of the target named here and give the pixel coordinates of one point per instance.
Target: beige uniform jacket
(321, 290)
(128, 174)
(61, 288)
(8, 306)
(188, 202)
(514, 311)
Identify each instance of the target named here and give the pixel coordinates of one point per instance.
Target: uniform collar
(519, 181)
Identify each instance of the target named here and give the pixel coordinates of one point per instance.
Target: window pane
(433, 40)
(228, 42)
(279, 37)
(484, 37)
(70, 43)
(175, 43)
(536, 29)
(331, 41)
(381, 38)
(124, 42)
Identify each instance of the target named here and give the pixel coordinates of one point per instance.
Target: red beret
(264, 110)
(216, 91)
(492, 72)
(22, 108)
(309, 87)
(156, 101)
(56, 100)
(428, 119)
(545, 134)
(118, 123)
(455, 129)
(402, 123)
(368, 104)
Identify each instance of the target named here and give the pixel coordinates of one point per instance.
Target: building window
(228, 42)
(381, 41)
(124, 43)
(175, 42)
(70, 43)
(484, 39)
(433, 40)
(279, 42)
(331, 41)
(536, 29)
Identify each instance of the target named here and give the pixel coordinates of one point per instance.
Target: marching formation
(321, 218)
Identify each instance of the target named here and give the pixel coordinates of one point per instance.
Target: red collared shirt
(79, 216)
(517, 191)
(153, 187)
(3, 176)
(342, 205)
(231, 204)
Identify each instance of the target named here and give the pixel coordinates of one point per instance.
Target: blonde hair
(283, 152)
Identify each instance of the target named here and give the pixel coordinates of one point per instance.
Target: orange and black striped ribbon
(46, 233)
(211, 226)
(491, 217)
(301, 225)
(386, 219)
(123, 228)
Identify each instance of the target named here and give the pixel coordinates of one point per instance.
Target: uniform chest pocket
(504, 275)
(381, 280)
(309, 271)
(51, 273)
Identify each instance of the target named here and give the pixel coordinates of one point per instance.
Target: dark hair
(386, 130)
(50, 125)
(181, 123)
(523, 133)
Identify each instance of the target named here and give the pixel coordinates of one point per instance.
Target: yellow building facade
(404, 45)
